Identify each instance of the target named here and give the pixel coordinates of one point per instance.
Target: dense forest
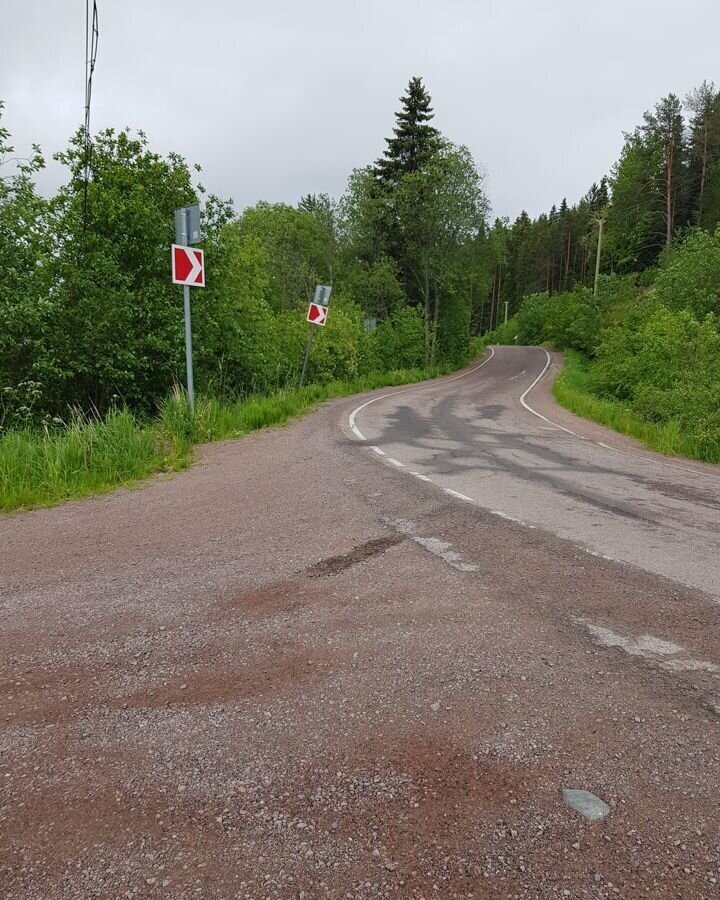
(666, 181)
(646, 334)
(89, 321)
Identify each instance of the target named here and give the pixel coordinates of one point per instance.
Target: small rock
(391, 866)
(587, 804)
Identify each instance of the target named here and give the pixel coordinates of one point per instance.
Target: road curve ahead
(299, 670)
(496, 437)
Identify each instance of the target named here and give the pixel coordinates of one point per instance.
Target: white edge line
(395, 462)
(377, 450)
(660, 462)
(535, 412)
(351, 418)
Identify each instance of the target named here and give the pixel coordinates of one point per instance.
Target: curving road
(319, 666)
(495, 436)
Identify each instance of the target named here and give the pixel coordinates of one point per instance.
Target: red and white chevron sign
(317, 314)
(188, 266)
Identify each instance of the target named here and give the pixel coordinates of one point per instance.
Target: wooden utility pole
(601, 222)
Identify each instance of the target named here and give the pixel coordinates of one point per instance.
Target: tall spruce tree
(414, 140)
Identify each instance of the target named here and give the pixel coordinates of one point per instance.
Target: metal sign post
(187, 231)
(317, 315)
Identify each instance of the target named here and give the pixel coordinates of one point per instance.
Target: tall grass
(42, 467)
(572, 391)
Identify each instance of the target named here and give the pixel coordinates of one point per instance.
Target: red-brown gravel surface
(296, 672)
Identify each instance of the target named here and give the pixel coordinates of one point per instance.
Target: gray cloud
(277, 99)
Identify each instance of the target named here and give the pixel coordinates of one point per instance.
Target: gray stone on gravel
(587, 804)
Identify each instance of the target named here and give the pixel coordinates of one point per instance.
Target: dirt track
(294, 671)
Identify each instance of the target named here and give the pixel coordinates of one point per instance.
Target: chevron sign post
(188, 266)
(188, 269)
(317, 315)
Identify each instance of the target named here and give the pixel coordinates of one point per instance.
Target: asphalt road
(298, 670)
(495, 436)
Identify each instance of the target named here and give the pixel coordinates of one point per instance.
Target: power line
(92, 35)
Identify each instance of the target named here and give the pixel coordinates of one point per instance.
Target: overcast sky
(278, 98)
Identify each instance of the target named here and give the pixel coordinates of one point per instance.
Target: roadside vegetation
(91, 329)
(643, 353)
(44, 466)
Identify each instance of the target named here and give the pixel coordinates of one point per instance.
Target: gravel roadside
(294, 672)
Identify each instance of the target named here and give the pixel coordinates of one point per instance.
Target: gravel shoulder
(293, 671)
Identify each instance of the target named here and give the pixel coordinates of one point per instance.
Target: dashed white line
(421, 476)
(396, 462)
(502, 515)
(458, 495)
(378, 451)
(439, 548)
(664, 654)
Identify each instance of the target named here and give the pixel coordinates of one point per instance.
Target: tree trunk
(499, 290)
(436, 313)
(669, 196)
(426, 298)
(703, 170)
(492, 297)
(567, 262)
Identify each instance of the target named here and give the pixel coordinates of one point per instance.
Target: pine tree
(704, 143)
(414, 140)
(665, 128)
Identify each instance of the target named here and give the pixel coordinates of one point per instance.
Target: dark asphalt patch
(336, 564)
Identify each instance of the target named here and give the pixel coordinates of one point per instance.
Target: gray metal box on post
(187, 225)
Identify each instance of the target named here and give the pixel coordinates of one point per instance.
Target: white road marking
(441, 549)
(599, 555)
(664, 654)
(458, 495)
(353, 415)
(378, 451)
(581, 437)
(535, 412)
(396, 462)
(421, 476)
(502, 515)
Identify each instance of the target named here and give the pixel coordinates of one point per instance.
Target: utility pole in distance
(601, 221)
(507, 303)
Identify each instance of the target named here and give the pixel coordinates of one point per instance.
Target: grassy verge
(572, 391)
(42, 468)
